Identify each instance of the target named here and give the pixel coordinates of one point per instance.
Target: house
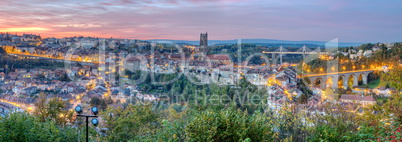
(390, 91)
(36, 71)
(385, 91)
(29, 90)
(283, 80)
(21, 70)
(353, 56)
(361, 99)
(44, 86)
(146, 97)
(115, 87)
(382, 90)
(345, 53)
(17, 89)
(2, 76)
(13, 75)
(375, 48)
(30, 101)
(331, 57)
(385, 68)
(94, 71)
(220, 58)
(133, 63)
(28, 75)
(82, 82)
(368, 53)
(8, 86)
(68, 88)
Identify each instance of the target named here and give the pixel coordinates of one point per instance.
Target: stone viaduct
(332, 79)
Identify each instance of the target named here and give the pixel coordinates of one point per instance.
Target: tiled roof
(218, 57)
(357, 98)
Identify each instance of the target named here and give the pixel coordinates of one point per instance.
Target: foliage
(394, 77)
(336, 125)
(228, 125)
(2, 51)
(307, 93)
(24, 127)
(52, 109)
(133, 122)
(101, 103)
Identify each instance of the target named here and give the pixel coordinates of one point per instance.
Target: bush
(24, 127)
(228, 125)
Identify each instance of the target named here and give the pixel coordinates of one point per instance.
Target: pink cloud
(223, 19)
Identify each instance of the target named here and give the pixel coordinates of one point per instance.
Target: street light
(94, 110)
(94, 121)
(78, 109)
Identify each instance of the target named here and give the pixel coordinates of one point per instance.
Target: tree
(228, 125)
(2, 51)
(25, 127)
(302, 99)
(95, 101)
(101, 103)
(134, 122)
(394, 77)
(52, 109)
(336, 125)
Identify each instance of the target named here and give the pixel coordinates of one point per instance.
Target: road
(25, 107)
(45, 57)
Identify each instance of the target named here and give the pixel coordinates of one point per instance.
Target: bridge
(303, 51)
(333, 79)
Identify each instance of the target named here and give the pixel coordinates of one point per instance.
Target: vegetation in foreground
(186, 122)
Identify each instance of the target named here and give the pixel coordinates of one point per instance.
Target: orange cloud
(24, 29)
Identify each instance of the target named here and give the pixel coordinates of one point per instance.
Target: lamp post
(94, 121)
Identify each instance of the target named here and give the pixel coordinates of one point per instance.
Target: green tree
(134, 122)
(228, 125)
(52, 109)
(24, 127)
(394, 77)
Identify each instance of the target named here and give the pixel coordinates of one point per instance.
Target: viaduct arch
(334, 78)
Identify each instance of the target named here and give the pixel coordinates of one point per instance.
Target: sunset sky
(350, 21)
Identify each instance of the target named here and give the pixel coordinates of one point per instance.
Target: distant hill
(263, 42)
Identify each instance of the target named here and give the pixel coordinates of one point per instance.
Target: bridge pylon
(281, 53)
(304, 51)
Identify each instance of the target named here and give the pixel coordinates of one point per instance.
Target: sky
(320, 20)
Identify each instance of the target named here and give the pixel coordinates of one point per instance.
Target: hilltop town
(83, 68)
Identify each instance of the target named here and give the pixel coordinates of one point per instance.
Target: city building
(364, 100)
(203, 42)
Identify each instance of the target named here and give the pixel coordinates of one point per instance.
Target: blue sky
(349, 20)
